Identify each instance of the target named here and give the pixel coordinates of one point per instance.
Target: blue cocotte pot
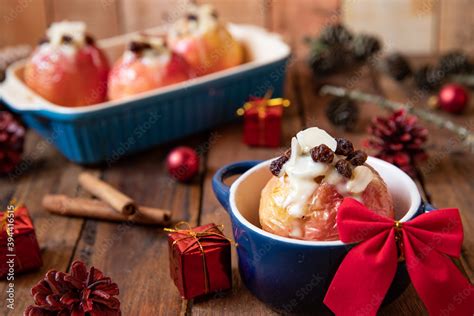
(292, 275)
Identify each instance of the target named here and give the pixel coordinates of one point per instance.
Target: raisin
(89, 40)
(192, 17)
(138, 47)
(357, 158)
(344, 147)
(319, 179)
(322, 153)
(277, 164)
(344, 167)
(66, 39)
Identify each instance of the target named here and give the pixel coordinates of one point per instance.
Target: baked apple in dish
(204, 41)
(311, 180)
(67, 68)
(147, 64)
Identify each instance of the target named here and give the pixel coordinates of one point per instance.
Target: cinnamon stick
(92, 208)
(104, 191)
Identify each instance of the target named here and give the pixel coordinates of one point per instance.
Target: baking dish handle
(17, 97)
(222, 190)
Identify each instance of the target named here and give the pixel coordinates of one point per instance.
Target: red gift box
(200, 260)
(262, 122)
(19, 249)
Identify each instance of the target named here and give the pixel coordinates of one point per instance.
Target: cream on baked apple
(311, 180)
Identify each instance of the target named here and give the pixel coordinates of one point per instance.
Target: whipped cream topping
(301, 171)
(198, 20)
(150, 49)
(63, 38)
(75, 31)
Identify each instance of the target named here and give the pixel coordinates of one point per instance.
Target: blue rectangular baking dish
(110, 130)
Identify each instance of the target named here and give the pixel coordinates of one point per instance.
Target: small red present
(199, 260)
(262, 121)
(19, 249)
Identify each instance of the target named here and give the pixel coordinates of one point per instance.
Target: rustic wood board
(136, 257)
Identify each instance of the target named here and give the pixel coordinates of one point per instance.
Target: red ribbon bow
(364, 276)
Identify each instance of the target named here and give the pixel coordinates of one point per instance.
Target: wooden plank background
(437, 25)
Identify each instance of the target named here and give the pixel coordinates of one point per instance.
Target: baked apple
(204, 41)
(310, 182)
(67, 68)
(147, 64)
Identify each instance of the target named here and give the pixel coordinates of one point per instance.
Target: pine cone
(12, 138)
(397, 66)
(80, 292)
(429, 78)
(454, 63)
(342, 112)
(335, 35)
(364, 46)
(325, 59)
(399, 139)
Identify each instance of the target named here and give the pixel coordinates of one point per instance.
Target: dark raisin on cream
(192, 17)
(319, 179)
(322, 153)
(357, 158)
(66, 39)
(277, 164)
(344, 147)
(89, 40)
(344, 167)
(138, 47)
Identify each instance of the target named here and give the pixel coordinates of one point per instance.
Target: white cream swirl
(302, 172)
(199, 20)
(75, 30)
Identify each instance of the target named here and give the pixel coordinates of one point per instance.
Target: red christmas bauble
(453, 98)
(182, 163)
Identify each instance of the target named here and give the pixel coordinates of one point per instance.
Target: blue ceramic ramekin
(292, 275)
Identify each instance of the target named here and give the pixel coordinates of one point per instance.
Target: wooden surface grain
(136, 257)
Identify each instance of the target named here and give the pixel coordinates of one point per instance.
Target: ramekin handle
(222, 190)
(429, 207)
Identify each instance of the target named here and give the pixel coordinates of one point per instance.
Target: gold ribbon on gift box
(261, 105)
(186, 229)
(3, 221)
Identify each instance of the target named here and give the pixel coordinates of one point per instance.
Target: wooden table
(136, 257)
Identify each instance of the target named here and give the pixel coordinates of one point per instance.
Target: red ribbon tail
(439, 283)
(363, 278)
